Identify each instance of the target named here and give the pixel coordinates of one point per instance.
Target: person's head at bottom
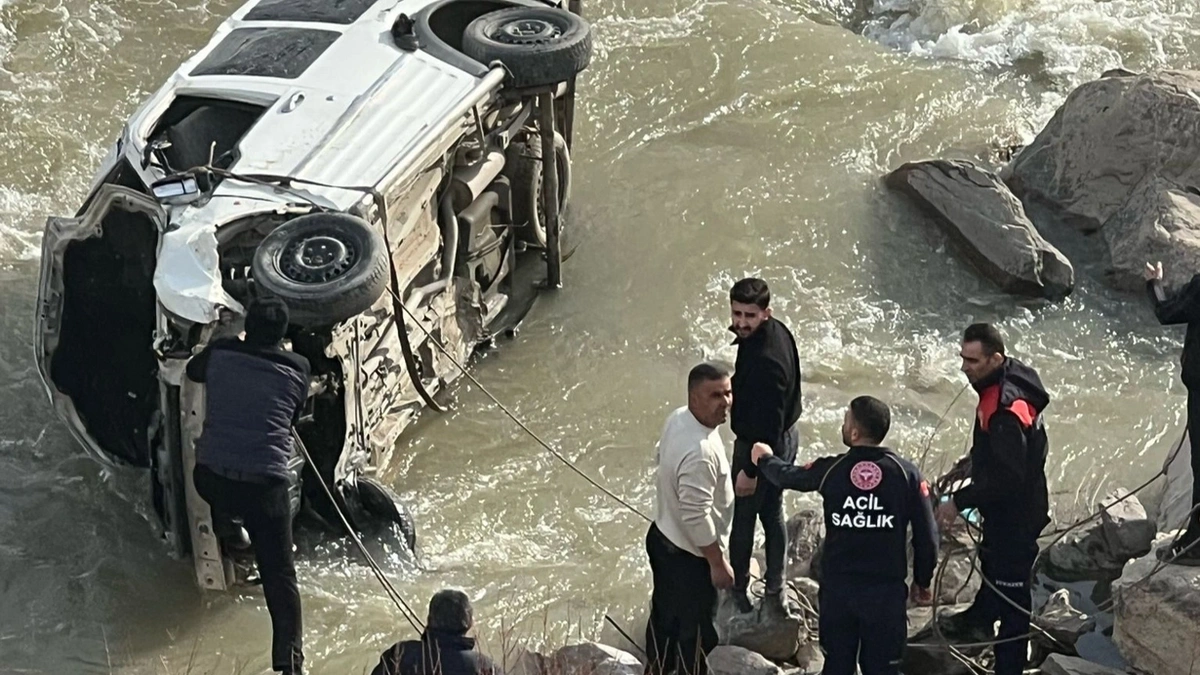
(450, 612)
(266, 321)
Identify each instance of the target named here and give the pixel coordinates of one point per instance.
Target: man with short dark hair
(686, 542)
(254, 392)
(1183, 307)
(444, 647)
(871, 497)
(766, 407)
(1008, 488)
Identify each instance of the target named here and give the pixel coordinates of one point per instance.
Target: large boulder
(1159, 221)
(988, 225)
(1063, 623)
(806, 534)
(776, 637)
(1128, 531)
(1057, 664)
(1106, 138)
(1155, 612)
(591, 658)
(730, 660)
(926, 653)
(1099, 549)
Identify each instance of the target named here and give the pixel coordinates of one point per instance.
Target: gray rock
(987, 225)
(1128, 532)
(961, 581)
(1064, 623)
(925, 653)
(1058, 664)
(806, 534)
(810, 659)
(1106, 138)
(591, 658)
(1082, 555)
(775, 637)
(730, 660)
(1159, 221)
(1156, 610)
(810, 591)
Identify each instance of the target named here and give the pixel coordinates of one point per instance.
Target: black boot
(741, 601)
(774, 605)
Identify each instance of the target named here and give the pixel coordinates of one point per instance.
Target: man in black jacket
(1008, 488)
(766, 407)
(254, 392)
(871, 497)
(444, 648)
(1184, 307)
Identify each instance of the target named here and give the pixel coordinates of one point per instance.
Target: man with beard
(871, 497)
(1183, 307)
(766, 407)
(1008, 488)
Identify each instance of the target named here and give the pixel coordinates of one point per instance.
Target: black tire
(382, 505)
(327, 267)
(526, 159)
(540, 46)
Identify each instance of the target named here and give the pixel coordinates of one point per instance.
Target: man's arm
(994, 480)
(1183, 307)
(924, 530)
(697, 484)
(769, 381)
(805, 478)
(197, 366)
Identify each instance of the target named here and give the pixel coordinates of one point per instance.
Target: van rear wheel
(540, 46)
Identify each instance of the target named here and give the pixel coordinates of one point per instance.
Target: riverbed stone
(924, 653)
(1156, 611)
(1064, 624)
(806, 535)
(987, 224)
(1128, 531)
(732, 660)
(1059, 664)
(591, 658)
(777, 638)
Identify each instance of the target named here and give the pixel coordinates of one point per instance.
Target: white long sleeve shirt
(694, 506)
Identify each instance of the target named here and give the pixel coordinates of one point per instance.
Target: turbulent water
(715, 139)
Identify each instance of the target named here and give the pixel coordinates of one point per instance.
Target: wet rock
(1159, 221)
(961, 581)
(1156, 610)
(772, 635)
(810, 658)
(1128, 532)
(925, 653)
(1064, 623)
(806, 534)
(591, 658)
(731, 660)
(1058, 664)
(1099, 550)
(810, 591)
(988, 225)
(1106, 138)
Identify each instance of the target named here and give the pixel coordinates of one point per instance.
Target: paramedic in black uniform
(871, 497)
(766, 406)
(254, 392)
(1183, 307)
(1008, 488)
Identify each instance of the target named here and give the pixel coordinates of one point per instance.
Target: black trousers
(266, 512)
(766, 506)
(1193, 422)
(680, 633)
(1006, 557)
(863, 624)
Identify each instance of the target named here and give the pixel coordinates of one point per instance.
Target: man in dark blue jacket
(871, 497)
(254, 392)
(444, 648)
(1183, 307)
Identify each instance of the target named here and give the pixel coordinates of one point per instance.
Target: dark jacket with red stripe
(1008, 455)
(1181, 307)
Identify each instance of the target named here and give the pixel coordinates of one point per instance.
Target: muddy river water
(715, 139)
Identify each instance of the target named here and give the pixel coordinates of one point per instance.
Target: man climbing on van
(1008, 488)
(871, 498)
(254, 392)
(766, 407)
(1183, 307)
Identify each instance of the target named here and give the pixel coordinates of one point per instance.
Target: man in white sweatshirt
(689, 539)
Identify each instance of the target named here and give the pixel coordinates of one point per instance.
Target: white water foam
(1072, 41)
